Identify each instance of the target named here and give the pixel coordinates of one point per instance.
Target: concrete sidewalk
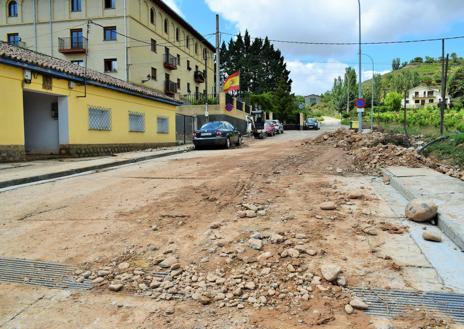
(13, 174)
(446, 191)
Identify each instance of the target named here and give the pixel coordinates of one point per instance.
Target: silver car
(279, 126)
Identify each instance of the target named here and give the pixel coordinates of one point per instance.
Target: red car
(270, 128)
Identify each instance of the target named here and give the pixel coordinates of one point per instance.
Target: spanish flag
(232, 83)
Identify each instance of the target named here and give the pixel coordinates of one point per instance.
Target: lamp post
(373, 84)
(360, 110)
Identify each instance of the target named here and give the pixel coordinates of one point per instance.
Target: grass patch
(451, 150)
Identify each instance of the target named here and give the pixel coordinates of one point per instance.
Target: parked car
(279, 126)
(312, 123)
(270, 128)
(217, 133)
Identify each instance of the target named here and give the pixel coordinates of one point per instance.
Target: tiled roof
(47, 62)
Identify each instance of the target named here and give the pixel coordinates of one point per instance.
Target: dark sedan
(217, 133)
(312, 123)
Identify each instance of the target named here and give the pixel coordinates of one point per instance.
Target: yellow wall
(11, 123)
(11, 105)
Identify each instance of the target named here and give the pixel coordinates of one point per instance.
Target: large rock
(358, 304)
(168, 262)
(255, 244)
(330, 272)
(328, 206)
(115, 287)
(420, 210)
(429, 236)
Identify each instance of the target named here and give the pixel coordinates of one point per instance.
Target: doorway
(43, 126)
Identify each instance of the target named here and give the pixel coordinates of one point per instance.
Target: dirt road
(240, 234)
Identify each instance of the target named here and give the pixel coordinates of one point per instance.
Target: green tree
(456, 85)
(417, 60)
(429, 60)
(454, 58)
(283, 101)
(404, 81)
(396, 63)
(393, 101)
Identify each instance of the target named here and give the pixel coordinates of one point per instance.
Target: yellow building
(162, 51)
(51, 106)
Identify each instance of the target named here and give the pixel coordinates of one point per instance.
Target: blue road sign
(360, 103)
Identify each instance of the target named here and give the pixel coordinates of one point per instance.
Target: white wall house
(312, 99)
(423, 96)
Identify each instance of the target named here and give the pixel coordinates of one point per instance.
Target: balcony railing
(170, 62)
(199, 77)
(170, 88)
(199, 99)
(72, 45)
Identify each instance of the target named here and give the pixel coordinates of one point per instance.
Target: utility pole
(360, 110)
(443, 88)
(218, 59)
(373, 84)
(348, 80)
(205, 54)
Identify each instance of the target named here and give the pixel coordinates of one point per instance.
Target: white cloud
(334, 21)
(337, 20)
(174, 6)
(314, 78)
(367, 75)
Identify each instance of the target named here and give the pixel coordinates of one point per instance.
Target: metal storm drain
(38, 273)
(391, 303)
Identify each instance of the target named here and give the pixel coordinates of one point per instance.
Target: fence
(185, 125)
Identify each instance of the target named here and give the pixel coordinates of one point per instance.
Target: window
(154, 74)
(111, 65)
(109, 33)
(152, 16)
(99, 119)
(76, 5)
(166, 26)
(163, 125)
(77, 39)
(13, 39)
(417, 101)
(196, 48)
(188, 88)
(136, 122)
(13, 9)
(110, 4)
(177, 34)
(153, 45)
(178, 59)
(79, 62)
(178, 84)
(431, 100)
(188, 65)
(187, 42)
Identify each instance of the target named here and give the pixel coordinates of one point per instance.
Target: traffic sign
(360, 103)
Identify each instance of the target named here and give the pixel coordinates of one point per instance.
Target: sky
(313, 68)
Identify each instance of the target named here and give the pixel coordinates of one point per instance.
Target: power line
(317, 43)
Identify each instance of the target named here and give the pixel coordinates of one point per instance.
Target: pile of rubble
(250, 276)
(374, 151)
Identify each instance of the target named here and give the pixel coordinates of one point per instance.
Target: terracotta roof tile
(63, 66)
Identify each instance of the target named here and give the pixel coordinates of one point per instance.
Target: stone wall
(12, 153)
(87, 150)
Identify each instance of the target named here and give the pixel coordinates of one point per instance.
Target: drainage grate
(394, 302)
(38, 273)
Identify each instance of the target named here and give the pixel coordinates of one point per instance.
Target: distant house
(312, 99)
(423, 96)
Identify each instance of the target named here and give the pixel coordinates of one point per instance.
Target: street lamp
(360, 110)
(373, 82)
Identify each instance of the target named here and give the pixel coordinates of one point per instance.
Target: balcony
(170, 88)
(72, 45)
(199, 77)
(170, 62)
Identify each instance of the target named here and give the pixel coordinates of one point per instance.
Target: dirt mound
(370, 153)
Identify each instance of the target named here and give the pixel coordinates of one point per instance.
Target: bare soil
(140, 213)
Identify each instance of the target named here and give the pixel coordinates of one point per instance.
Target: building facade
(312, 99)
(51, 106)
(423, 96)
(140, 41)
